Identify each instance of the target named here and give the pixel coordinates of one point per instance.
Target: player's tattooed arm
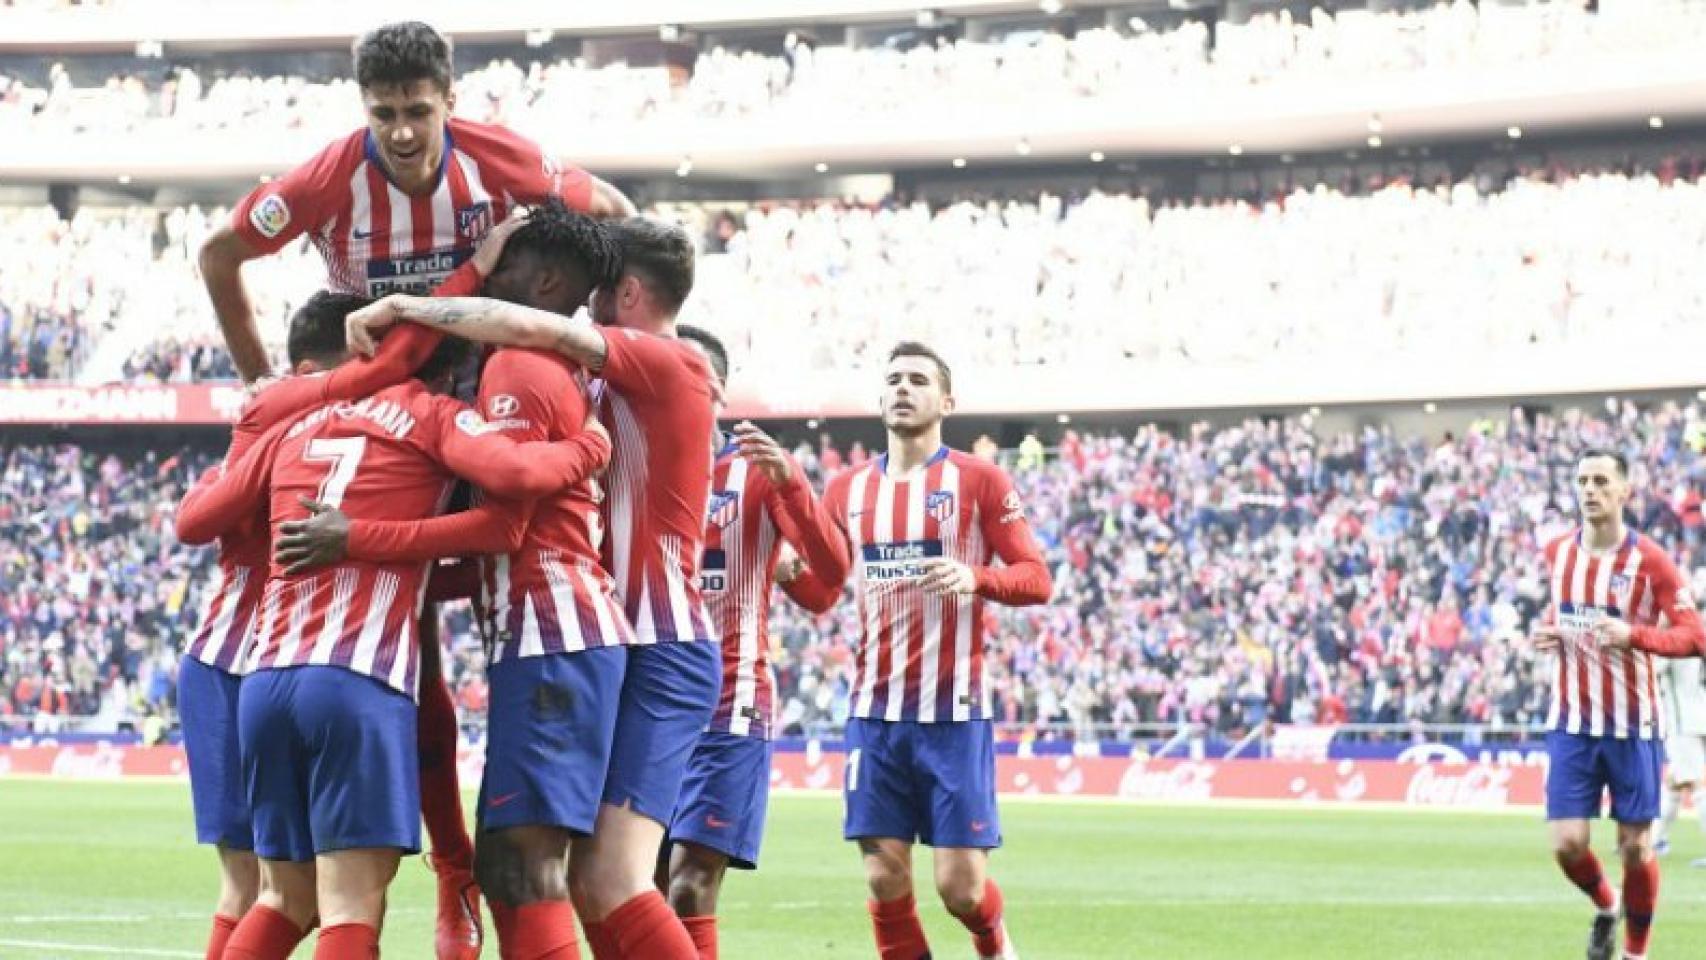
(482, 320)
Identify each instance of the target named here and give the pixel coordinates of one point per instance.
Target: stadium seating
(1370, 577)
(1542, 264)
(1022, 67)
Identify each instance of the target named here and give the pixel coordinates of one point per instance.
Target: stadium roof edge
(332, 22)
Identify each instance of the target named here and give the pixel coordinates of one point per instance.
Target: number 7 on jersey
(344, 454)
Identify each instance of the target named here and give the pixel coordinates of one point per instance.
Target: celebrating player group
(620, 549)
(452, 425)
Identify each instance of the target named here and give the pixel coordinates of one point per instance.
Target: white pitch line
(90, 948)
(102, 918)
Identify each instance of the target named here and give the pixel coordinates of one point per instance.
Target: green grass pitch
(108, 869)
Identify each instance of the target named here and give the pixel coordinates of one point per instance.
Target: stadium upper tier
(1103, 302)
(1270, 84)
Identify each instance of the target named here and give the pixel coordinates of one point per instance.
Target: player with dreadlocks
(558, 631)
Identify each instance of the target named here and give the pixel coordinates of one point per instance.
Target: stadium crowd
(1545, 258)
(806, 79)
(1225, 576)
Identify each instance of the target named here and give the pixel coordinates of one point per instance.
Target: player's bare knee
(888, 870)
(495, 867)
(960, 890)
(239, 881)
(694, 881)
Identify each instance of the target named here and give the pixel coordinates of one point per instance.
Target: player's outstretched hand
(763, 452)
(1613, 634)
(943, 576)
(320, 540)
(492, 248)
(362, 327)
(1546, 638)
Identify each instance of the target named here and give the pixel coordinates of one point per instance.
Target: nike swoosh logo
(360, 234)
(500, 801)
(977, 826)
(715, 824)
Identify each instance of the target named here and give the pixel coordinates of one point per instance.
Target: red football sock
(223, 926)
(503, 922)
(545, 931)
(1585, 873)
(645, 928)
(347, 941)
(441, 791)
(984, 921)
(598, 938)
(263, 934)
(703, 932)
(1640, 897)
(899, 934)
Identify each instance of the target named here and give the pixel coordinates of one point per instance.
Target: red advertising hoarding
(1466, 786)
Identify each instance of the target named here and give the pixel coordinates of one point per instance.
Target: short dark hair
(713, 347)
(1615, 456)
(448, 357)
(317, 327)
(554, 232)
(660, 254)
(912, 348)
(401, 53)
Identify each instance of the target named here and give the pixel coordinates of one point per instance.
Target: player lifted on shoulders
(394, 207)
(655, 393)
(760, 500)
(1617, 600)
(924, 523)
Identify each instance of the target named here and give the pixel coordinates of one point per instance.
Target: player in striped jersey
(655, 393)
(1617, 601)
(393, 207)
(924, 523)
(334, 650)
(760, 500)
(557, 660)
(398, 204)
(209, 673)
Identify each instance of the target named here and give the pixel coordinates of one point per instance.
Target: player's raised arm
(482, 320)
(478, 452)
(213, 507)
(818, 591)
(802, 519)
(222, 257)
(262, 224)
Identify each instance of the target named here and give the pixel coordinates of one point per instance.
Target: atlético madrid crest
(940, 505)
(724, 508)
(473, 222)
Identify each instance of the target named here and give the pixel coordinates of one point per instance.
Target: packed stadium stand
(1366, 576)
(1223, 572)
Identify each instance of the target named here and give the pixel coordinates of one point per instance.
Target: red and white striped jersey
(1610, 693)
(748, 518)
(391, 456)
(378, 240)
(222, 641)
(551, 595)
(921, 656)
(654, 397)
